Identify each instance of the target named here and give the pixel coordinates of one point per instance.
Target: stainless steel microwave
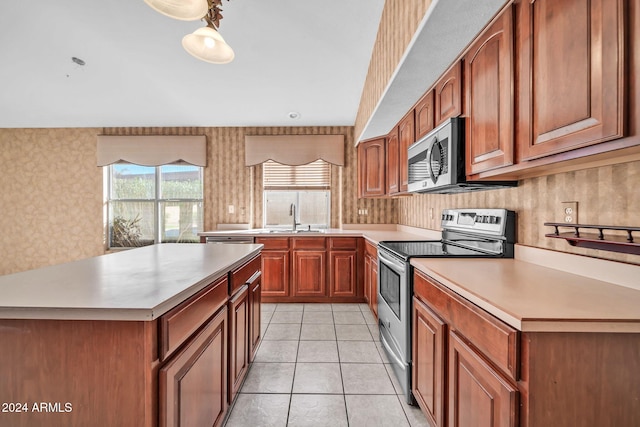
(436, 162)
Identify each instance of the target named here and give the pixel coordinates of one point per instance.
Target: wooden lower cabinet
(193, 384)
(478, 395)
(255, 315)
(275, 266)
(321, 269)
(429, 361)
(238, 340)
(371, 277)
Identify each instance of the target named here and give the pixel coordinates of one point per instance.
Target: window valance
(294, 149)
(152, 150)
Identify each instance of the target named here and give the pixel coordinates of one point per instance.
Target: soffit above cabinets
(446, 30)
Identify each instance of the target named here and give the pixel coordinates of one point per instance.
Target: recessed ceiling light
(294, 115)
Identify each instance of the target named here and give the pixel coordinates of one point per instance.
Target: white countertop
(137, 284)
(531, 297)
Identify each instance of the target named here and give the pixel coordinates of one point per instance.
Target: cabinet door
(255, 304)
(238, 340)
(571, 75)
(374, 286)
(193, 384)
(428, 365)
(424, 113)
(393, 162)
(448, 94)
(407, 136)
(478, 394)
(367, 279)
(371, 168)
(343, 276)
(489, 97)
(275, 273)
(309, 273)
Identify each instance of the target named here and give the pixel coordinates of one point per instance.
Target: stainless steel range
(466, 233)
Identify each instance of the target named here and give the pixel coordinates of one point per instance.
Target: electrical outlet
(232, 209)
(570, 212)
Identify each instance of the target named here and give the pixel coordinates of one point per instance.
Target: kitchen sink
(293, 231)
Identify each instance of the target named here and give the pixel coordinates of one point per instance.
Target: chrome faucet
(292, 212)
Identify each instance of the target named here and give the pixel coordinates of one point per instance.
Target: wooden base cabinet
(238, 340)
(255, 315)
(478, 395)
(429, 361)
(193, 384)
(275, 266)
(371, 276)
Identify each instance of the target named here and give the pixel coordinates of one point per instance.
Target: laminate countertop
(531, 297)
(136, 284)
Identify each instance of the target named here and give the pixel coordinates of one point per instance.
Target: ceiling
(304, 56)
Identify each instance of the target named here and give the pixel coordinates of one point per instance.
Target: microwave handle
(435, 141)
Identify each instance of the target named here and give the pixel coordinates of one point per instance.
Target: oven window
(390, 288)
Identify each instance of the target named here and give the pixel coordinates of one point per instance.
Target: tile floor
(321, 365)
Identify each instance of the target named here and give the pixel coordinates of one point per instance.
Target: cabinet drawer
(308, 243)
(492, 337)
(343, 242)
(178, 324)
(242, 275)
(273, 242)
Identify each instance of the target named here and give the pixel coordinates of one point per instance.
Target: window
(147, 205)
(306, 187)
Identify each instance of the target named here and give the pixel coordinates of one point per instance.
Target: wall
(51, 207)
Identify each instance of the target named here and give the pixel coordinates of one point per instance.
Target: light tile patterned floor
(321, 365)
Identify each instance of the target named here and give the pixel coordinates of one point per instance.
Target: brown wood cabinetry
(275, 266)
(424, 114)
(255, 314)
(488, 74)
(371, 168)
(238, 340)
(308, 274)
(321, 270)
(343, 266)
(371, 276)
(571, 75)
(478, 394)
(429, 361)
(407, 136)
(393, 162)
(193, 384)
(461, 348)
(448, 94)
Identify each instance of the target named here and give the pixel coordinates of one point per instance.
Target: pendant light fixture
(205, 43)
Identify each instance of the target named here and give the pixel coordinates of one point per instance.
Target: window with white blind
(303, 189)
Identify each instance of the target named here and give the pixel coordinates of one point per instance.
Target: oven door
(394, 316)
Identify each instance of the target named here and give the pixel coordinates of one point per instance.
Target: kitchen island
(119, 339)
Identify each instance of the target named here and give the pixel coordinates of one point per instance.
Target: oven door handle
(398, 266)
(390, 352)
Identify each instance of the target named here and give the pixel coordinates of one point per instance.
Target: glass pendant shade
(208, 45)
(185, 10)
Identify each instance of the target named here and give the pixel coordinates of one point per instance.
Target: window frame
(156, 200)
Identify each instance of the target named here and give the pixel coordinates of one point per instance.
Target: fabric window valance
(294, 150)
(153, 150)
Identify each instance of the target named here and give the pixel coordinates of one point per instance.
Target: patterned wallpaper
(51, 197)
(51, 200)
(398, 23)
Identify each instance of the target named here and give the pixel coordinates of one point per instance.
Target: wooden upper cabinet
(393, 162)
(571, 74)
(424, 114)
(448, 94)
(488, 73)
(371, 168)
(407, 136)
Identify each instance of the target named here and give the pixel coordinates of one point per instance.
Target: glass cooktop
(433, 248)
